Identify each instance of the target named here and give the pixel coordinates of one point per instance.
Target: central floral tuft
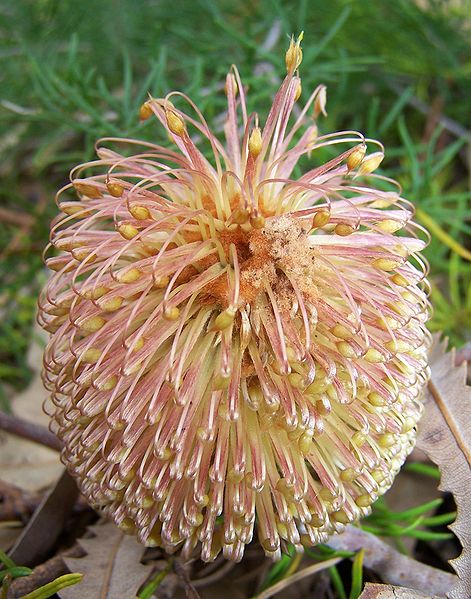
(234, 349)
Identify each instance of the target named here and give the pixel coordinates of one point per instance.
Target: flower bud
(320, 102)
(355, 158)
(175, 123)
(370, 163)
(294, 54)
(115, 188)
(255, 142)
(145, 111)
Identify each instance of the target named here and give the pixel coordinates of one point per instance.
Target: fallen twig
(43, 574)
(187, 584)
(16, 504)
(28, 430)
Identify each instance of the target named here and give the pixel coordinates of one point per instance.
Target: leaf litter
(445, 436)
(111, 567)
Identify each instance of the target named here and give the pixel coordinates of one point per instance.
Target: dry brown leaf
(445, 436)
(23, 463)
(46, 524)
(111, 568)
(393, 567)
(387, 591)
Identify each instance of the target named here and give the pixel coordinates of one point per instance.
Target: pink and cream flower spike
(233, 350)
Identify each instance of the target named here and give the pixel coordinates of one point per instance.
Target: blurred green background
(71, 72)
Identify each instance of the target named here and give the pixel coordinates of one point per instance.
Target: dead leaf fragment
(393, 567)
(23, 463)
(445, 436)
(46, 524)
(112, 567)
(387, 591)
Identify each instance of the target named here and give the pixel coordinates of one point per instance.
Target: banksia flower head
(235, 350)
